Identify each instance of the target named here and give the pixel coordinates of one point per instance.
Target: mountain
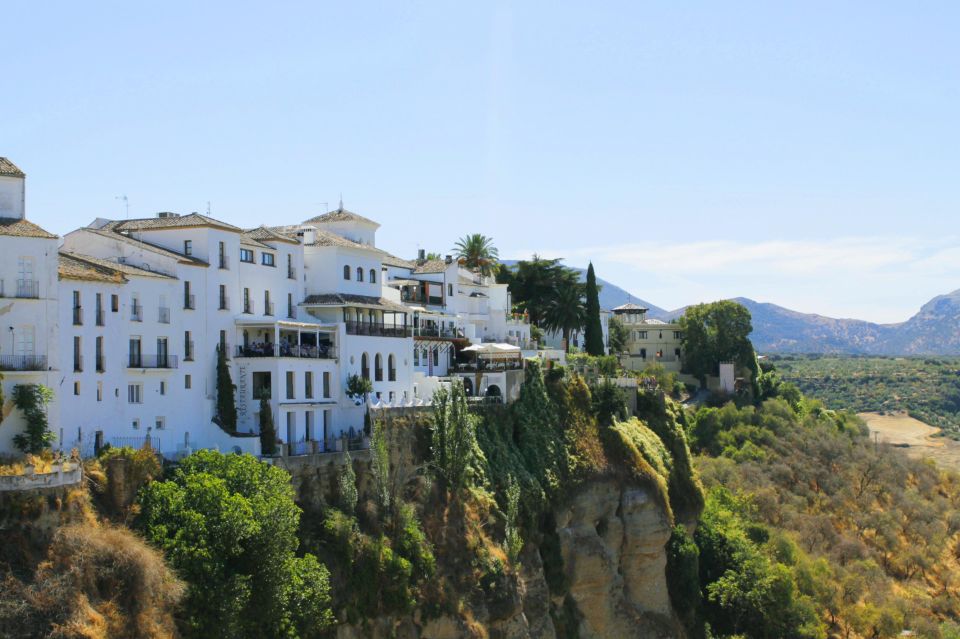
(611, 295)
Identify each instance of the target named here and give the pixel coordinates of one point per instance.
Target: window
(641, 335)
(135, 393)
(76, 388)
(267, 259)
(223, 297)
(187, 347)
(267, 306)
(247, 307)
(364, 366)
(308, 384)
(246, 255)
(223, 343)
(326, 384)
(391, 369)
(99, 354)
(188, 299)
(262, 386)
(77, 309)
(188, 247)
(359, 274)
(449, 290)
(187, 381)
(136, 424)
(416, 357)
(114, 303)
(99, 391)
(373, 276)
(159, 423)
(436, 358)
(222, 254)
(163, 388)
(135, 351)
(677, 335)
(163, 353)
(290, 382)
(290, 312)
(676, 352)
(378, 368)
(77, 358)
(346, 272)
(98, 309)
(643, 353)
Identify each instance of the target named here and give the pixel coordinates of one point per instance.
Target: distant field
(927, 389)
(915, 437)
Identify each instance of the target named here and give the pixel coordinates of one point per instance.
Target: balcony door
(25, 340)
(136, 353)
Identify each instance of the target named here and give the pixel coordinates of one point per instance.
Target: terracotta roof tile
(159, 250)
(431, 266)
(23, 228)
(346, 299)
(173, 222)
(10, 169)
(340, 215)
(122, 270)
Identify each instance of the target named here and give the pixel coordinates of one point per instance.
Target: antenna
(341, 201)
(126, 204)
(208, 207)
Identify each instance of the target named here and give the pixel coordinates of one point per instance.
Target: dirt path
(915, 437)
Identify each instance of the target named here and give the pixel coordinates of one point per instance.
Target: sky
(804, 154)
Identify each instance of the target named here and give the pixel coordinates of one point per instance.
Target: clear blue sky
(804, 154)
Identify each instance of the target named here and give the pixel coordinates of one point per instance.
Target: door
(26, 287)
(25, 340)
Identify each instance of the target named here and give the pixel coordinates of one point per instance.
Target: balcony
(269, 308)
(190, 302)
(151, 361)
(490, 365)
(100, 317)
(438, 331)
(28, 289)
(291, 273)
(163, 315)
(224, 262)
(324, 351)
(136, 313)
(77, 363)
(23, 363)
(78, 316)
(377, 330)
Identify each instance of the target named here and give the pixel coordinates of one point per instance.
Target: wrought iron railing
(23, 363)
(29, 289)
(151, 361)
(377, 330)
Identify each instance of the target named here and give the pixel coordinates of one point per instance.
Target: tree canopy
(477, 252)
(716, 332)
(593, 328)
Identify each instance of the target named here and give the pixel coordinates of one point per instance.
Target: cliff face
(611, 539)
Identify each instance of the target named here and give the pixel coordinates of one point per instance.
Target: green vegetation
(537, 284)
(926, 388)
(226, 416)
(617, 336)
(228, 525)
(268, 432)
(593, 329)
(714, 333)
(477, 253)
(32, 401)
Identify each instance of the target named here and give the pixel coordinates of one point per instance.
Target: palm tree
(477, 252)
(565, 311)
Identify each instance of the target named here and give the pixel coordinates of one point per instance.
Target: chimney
(448, 259)
(421, 256)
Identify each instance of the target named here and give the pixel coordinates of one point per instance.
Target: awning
(492, 348)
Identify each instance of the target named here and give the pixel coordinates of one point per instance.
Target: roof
(117, 267)
(73, 268)
(431, 266)
(326, 238)
(630, 307)
(248, 240)
(340, 215)
(172, 222)
(348, 299)
(264, 234)
(393, 260)
(18, 227)
(159, 250)
(10, 169)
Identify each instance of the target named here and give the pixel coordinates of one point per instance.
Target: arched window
(364, 366)
(378, 368)
(346, 272)
(359, 274)
(391, 368)
(373, 276)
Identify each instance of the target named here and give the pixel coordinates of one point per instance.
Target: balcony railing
(100, 317)
(163, 315)
(224, 261)
(78, 316)
(29, 289)
(323, 351)
(490, 365)
(437, 331)
(269, 308)
(377, 330)
(291, 273)
(151, 361)
(190, 302)
(77, 363)
(23, 363)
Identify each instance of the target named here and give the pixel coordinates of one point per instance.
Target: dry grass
(915, 437)
(97, 581)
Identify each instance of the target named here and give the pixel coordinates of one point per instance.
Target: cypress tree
(593, 329)
(268, 432)
(226, 402)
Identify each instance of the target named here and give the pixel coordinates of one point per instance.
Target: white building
(28, 302)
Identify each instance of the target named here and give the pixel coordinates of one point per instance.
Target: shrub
(32, 400)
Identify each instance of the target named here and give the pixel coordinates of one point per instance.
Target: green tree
(380, 466)
(565, 312)
(347, 495)
(32, 401)
(226, 400)
(456, 455)
(714, 333)
(617, 336)
(534, 283)
(228, 525)
(593, 328)
(268, 431)
(477, 253)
